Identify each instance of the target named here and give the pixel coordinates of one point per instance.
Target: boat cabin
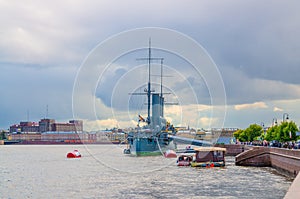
(184, 160)
(213, 154)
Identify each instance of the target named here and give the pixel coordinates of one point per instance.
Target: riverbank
(287, 161)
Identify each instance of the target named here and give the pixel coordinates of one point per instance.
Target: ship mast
(161, 75)
(148, 90)
(161, 92)
(149, 82)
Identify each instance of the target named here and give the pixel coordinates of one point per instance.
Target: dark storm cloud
(259, 37)
(255, 45)
(30, 90)
(105, 88)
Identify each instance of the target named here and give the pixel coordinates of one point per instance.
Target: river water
(43, 171)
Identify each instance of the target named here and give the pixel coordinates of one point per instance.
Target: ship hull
(150, 146)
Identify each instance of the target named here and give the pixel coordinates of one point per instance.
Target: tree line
(284, 132)
(2, 135)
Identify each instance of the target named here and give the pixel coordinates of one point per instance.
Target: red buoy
(74, 154)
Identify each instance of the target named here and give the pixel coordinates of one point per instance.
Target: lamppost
(274, 121)
(285, 116)
(263, 127)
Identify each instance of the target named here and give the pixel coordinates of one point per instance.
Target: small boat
(184, 160)
(170, 154)
(209, 157)
(74, 154)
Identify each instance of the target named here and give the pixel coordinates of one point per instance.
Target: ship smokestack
(156, 109)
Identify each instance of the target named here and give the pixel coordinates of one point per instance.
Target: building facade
(26, 127)
(46, 125)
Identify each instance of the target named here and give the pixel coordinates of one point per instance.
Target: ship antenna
(148, 90)
(161, 76)
(47, 111)
(161, 93)
(149, 82)
(27, 115)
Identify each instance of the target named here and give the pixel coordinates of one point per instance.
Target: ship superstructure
(153, 138)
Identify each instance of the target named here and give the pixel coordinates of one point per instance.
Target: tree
(271, 133)
(286, 131)
(237, 133)
(253, 131)
(249, 134)
(240, 135)
(2, 135)
(243, 137)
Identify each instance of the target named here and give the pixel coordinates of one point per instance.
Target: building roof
(61, 132)
(209, 149)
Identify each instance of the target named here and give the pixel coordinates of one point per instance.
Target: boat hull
(150, 146)
(183, 163)
(208, 164)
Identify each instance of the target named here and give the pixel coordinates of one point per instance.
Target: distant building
(27, 127)
(46, 125)
(224, 135)
(225, 132)
(66, 127)
(50, 125)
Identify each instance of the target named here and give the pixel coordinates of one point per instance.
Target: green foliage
(253, 131)
(286, 131)
(2, 135)
(237, 133)
(243, 137)
(271, 133)
(240, 135)
(249, 134)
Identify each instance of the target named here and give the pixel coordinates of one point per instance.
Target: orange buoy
(170, 154)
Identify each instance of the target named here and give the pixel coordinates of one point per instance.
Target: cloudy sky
(71, 57)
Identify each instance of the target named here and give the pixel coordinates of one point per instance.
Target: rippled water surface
(33, 171)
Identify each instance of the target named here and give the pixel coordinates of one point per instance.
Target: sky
(226, 63)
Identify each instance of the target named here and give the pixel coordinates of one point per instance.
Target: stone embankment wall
(294, 191)
(285, 160)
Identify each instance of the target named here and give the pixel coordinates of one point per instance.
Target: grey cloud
(254, 43)
(30, 89)
(241, 88)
